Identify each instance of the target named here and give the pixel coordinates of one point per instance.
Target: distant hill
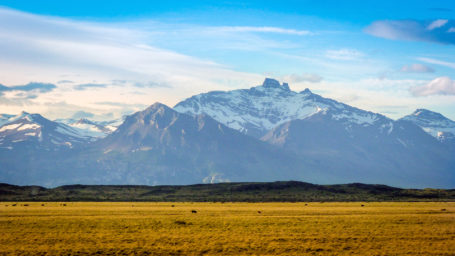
(282, 191)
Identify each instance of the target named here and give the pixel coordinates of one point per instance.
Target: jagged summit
(259, 109)
(272, 83)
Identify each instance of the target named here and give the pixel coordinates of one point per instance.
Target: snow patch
(9, 127)
(29, 126)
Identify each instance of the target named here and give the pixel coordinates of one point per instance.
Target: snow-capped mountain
(294, 136)
(91, 128)
(161, 146)
(433, 123)
(33, 130)
(257, 110)
(399, 151)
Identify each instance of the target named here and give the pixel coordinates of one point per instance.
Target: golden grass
(227, 228)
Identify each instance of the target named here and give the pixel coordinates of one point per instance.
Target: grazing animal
(362, 205)
(193, 211)
(259, 212)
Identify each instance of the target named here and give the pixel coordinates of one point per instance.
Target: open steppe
(176, 228)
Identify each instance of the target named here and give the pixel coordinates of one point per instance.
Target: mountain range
(265, 133)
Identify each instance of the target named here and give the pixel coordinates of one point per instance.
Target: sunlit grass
(228, 228)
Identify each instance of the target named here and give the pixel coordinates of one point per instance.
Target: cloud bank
(438, 86)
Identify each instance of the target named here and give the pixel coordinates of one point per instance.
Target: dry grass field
(227, 228)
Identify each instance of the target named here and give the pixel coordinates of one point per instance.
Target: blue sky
(109, 58)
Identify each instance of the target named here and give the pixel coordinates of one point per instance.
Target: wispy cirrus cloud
(437, 24)
(416, 68)
(436, 31)
(438, 62)
(51, 49)
(277, 30)
(344, 54)
(438, 86)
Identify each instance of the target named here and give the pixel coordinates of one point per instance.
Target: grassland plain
(158, 228)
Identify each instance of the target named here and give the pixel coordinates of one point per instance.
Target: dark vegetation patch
(282, 191)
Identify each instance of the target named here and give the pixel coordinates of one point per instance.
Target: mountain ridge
(317, 139)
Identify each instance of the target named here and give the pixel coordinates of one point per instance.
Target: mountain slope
(180, 148)
(396, 152)
(161, 146)
(434, 124)
(259, 109)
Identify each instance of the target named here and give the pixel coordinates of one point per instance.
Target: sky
(105, 59)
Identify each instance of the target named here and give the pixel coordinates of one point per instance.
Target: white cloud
(416, 68)
(438, 86)
(451, 30)
(48, 49)
(438, 62)
(390, 97)
(437, 24)
(344, 54)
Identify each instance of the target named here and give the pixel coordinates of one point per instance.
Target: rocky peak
(272, 83)
(306, 91)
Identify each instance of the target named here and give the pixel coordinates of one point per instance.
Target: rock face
(265, 133)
